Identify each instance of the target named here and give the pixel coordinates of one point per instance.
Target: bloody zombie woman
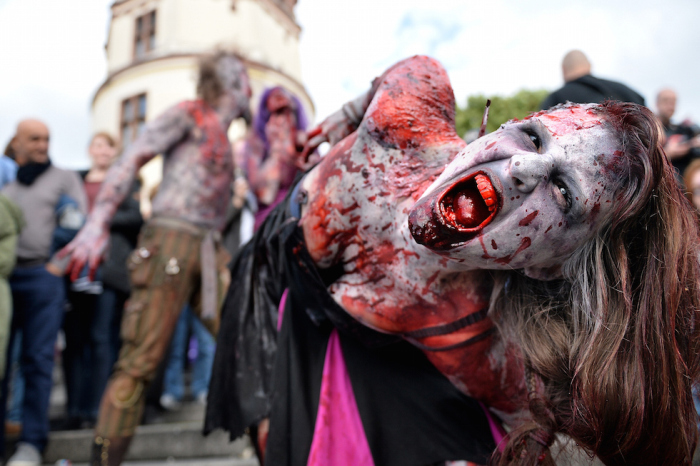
(548, 270)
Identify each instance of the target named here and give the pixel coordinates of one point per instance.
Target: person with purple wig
(271, 153)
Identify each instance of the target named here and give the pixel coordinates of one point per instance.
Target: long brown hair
(613, 349)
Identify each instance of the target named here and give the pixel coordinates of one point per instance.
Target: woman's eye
(535, 140)
(563, 193)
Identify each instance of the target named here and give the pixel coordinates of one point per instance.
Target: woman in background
(270, 154)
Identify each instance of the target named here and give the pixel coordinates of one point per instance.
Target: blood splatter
(524, 244)
(527, 220)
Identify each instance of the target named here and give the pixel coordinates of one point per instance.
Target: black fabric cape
(411, 414)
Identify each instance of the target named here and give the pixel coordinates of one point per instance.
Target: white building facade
(153, 48)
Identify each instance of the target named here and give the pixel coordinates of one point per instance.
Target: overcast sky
(52, 51)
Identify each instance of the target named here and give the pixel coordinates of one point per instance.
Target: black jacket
(589, 89)
(123, 235)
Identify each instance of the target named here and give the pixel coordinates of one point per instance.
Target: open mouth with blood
(454, 215)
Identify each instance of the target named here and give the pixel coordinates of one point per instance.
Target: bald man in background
(580, 87)
(37, 293)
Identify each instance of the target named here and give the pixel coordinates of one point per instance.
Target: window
(133, 118)
(145, 34)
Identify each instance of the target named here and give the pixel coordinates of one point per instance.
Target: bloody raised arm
(342, 123)
(160, 136)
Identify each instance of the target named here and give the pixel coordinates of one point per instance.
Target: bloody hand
(332, 130)
(305, 160)
(87, 248)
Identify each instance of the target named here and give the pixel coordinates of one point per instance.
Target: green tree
(502, 109)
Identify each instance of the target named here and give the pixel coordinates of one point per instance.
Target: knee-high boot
(109, 451)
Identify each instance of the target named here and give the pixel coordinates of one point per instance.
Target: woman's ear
(544, 273)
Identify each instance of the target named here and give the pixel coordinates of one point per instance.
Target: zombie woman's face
(278, 100)
(526, 196)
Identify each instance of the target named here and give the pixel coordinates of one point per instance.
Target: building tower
(153, 47)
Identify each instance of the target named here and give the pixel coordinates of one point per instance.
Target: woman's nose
(528, 170)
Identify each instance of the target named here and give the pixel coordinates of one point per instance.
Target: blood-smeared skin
(527, 220)
(198, 192)
(399, 176)
(197, 168)
(271, 170)
(577, 117)
(524, 244)
(416, 132)
(479, 369)
(356, 215)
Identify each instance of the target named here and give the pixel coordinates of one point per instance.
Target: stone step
(192, 462)
(155, 442)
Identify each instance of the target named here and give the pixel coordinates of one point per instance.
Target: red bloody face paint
(552, 168)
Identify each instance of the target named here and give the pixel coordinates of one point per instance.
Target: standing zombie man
(178, 258)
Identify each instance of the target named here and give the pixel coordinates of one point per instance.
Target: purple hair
(263, 115)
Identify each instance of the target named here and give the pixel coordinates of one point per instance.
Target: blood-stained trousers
(165, 275)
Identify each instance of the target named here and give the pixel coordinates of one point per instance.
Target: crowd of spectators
(42, 208)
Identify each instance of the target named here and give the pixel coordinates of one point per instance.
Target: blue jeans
(16, 394)
(92, 346)
(38, 300)
(78, 356)
(173, 383)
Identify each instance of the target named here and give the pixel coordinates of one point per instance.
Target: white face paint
(553, 178)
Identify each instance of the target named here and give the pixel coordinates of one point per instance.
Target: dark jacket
(589, 89)
(123, 235)
(681, 163)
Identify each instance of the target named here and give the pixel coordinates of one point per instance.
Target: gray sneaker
(25, 455)
(170, 403)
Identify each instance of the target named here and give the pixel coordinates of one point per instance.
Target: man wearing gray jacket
(37, 288)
